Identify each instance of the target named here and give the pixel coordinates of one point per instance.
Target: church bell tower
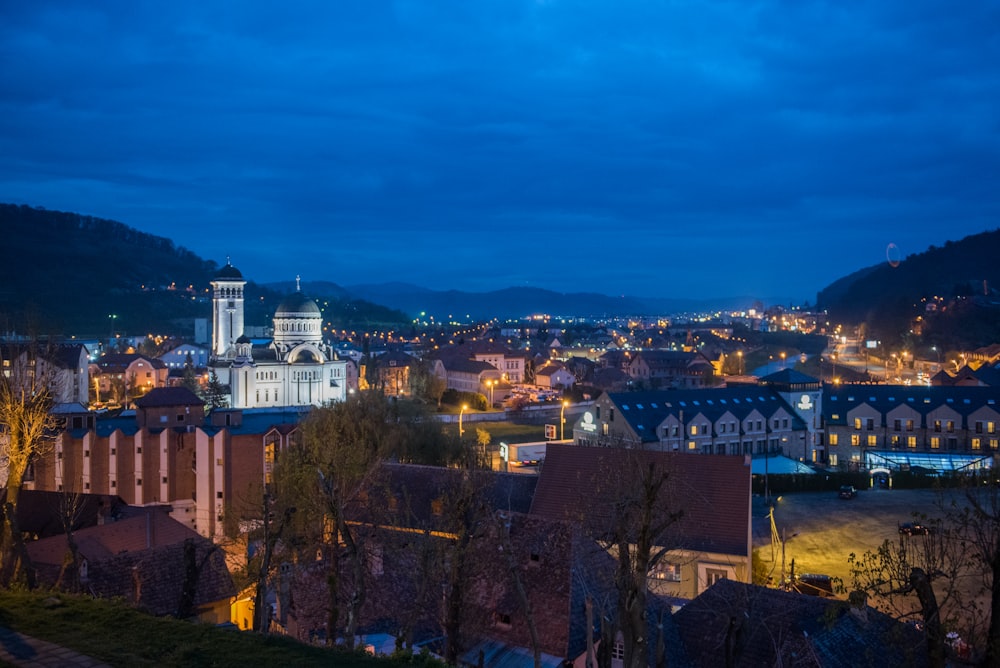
(227, 310)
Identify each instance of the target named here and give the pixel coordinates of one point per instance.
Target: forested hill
(961, 279)
(64, 273)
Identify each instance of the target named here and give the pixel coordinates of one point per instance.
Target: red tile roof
(712, 492)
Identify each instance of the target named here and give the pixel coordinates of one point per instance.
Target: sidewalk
(21, 650)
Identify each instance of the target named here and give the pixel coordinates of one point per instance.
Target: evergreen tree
(217, 394)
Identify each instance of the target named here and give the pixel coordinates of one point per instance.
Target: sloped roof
(669, 359)
(417, 488)
(141, 559)
(153, 528)
(644, 411)
(769, 627)
(789, 377)
(40, 513)
(168, 396)
(462, 365)
(712, 492)
(839, 399)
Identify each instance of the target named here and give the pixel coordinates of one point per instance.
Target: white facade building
(297, 368)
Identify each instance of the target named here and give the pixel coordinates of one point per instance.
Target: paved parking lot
(820, 530)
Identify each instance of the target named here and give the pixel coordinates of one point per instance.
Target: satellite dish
(892, 255)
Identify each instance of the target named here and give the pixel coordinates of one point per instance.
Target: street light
(782, 359)
(739, 356)
(461, 431)
(490, 384)
(562, 420)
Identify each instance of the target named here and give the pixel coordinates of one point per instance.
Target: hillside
(67, 273)
(952, 289)
(94, 628)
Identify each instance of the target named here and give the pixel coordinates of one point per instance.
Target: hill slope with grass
(118, 635)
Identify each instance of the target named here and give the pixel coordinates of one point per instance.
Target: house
(153, 562)
(671, 368)
(739, 624)
(121, 377)
(391, 372)
(64, 366)
(554, 375)
(709, 541)
(465, 375)
(177, 357)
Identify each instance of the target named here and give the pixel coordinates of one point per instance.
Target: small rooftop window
(639, 406)
(624, 407)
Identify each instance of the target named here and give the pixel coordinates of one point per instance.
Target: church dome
(297, 303)
(229, 273)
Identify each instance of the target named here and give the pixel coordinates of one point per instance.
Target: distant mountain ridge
(67, 272)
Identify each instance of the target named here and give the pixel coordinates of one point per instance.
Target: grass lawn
(503, 431)
(120, 636)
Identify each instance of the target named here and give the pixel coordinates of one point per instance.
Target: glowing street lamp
(739, 356)
(562, 420)
(490, 384)
(461, 431)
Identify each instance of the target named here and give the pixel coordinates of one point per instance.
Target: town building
(209, 470)
(64, 368)
(121, 377)
(895, 427)
(295, 368)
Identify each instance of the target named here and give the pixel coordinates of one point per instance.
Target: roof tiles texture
(712, 493)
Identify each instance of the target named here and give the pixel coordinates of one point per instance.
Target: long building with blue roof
(847, 427)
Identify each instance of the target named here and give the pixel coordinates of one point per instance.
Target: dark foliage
(65, 272)
(950, 289)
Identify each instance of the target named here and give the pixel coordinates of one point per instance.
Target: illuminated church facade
(295, 369)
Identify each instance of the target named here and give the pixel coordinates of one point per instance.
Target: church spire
(298, 283)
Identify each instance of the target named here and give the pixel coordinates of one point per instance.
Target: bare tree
(26, 429)
(929, 578)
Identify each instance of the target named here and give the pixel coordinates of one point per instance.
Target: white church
(295, 369)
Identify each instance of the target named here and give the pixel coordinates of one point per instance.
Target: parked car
(847, 492)
(914, 529)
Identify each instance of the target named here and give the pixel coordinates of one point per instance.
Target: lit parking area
(821, 529)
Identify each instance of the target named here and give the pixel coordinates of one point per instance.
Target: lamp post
(490, 384)
(562, 420)
(782, 359)
(739, 356)
(461, 431)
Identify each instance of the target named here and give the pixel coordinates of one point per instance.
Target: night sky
(681, 149)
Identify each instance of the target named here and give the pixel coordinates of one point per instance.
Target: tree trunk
(932, 619)
(358, 591)
(992, 657)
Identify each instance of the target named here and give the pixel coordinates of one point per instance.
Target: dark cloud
(684, 148)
